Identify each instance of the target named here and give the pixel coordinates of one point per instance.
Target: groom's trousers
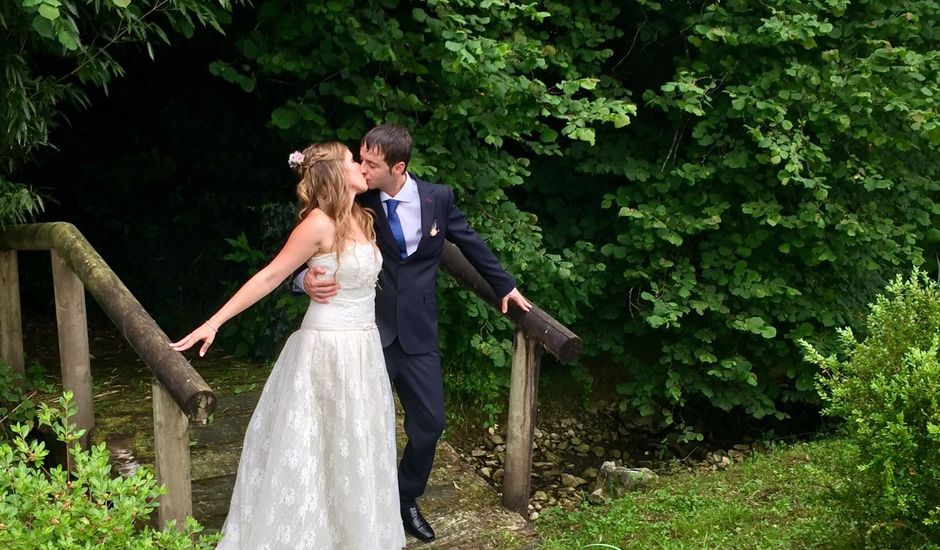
(420, 386)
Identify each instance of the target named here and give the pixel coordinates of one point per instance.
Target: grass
(783, 498)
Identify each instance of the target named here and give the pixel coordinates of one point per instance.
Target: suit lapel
(427, 211)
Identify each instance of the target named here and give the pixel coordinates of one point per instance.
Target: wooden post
(171, 445)
(523, 393)
(72, 326)
(11, 322)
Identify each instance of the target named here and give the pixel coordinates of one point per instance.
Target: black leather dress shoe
(416, 525)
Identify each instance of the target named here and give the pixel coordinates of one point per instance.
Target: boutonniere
(433, 232)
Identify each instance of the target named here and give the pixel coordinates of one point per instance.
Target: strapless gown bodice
(353, 307)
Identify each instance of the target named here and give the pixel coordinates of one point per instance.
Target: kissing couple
(318, 466)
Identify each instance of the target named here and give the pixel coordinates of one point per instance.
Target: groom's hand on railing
(517, 298)
(319, 290)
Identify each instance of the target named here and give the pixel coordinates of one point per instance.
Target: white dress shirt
(409, 212)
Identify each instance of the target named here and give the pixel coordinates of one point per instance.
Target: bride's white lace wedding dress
(318, 469)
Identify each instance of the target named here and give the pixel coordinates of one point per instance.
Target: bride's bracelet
(215, 330)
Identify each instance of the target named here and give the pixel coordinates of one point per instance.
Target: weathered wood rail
(179, 394)
(535, 330)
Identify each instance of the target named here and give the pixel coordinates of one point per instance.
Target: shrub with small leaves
(885, 387)
(81, 505)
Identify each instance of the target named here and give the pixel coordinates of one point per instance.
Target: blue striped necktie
(395, 225)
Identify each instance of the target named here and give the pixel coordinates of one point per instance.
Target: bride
(318, 464)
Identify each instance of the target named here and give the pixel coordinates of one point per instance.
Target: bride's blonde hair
(323, 184)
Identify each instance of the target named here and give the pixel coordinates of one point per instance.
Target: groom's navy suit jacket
(406, 304)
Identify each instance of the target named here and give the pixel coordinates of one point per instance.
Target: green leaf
(67, 39)
(49, 12)
(284, 118)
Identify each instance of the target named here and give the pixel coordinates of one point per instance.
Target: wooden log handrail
(555, 337)
(191, 393)
(535, 330)
(177, 382)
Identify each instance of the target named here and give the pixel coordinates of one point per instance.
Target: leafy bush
(885, 387)
(718, 179)
(16, 403)
(80, 506)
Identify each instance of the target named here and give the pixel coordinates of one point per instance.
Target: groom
(412, 220)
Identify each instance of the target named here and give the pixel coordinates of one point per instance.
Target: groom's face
(378, 174)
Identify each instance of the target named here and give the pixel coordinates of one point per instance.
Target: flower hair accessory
(295, 159)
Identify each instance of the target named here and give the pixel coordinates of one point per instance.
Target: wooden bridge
(181, 396)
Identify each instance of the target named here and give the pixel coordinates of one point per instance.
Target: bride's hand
(204, 333)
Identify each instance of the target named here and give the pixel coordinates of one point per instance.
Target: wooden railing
(535, 330)
(179, 394)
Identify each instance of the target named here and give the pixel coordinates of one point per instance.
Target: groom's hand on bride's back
(319, 290)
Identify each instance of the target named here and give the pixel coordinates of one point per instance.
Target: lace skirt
(317, 469)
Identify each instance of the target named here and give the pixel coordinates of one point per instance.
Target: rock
(575, 441)
(498, 475)
(598, 451)
(590, 473)
(571, 481)
(616, 454)
(723, 463)
(486, 472)
(540, 496)
(583, 448)
(477, 453)
(538, 433)
(742, 447)
(533, 516)
(597, 497)
(615, 481)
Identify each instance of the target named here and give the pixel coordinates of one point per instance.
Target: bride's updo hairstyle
(323, 185)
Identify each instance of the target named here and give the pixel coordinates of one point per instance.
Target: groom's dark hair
(392, 140)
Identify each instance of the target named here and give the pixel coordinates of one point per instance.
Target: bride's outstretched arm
(304, 242)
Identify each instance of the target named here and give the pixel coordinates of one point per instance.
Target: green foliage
(80, 506)
(785, 166)
(885, 387)
(16, 395)
(54, 50)
(17, 202)
(15, 403)
(484, 86)
(782, 166)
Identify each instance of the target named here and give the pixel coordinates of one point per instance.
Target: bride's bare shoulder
(316, 226)
(317, 220)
